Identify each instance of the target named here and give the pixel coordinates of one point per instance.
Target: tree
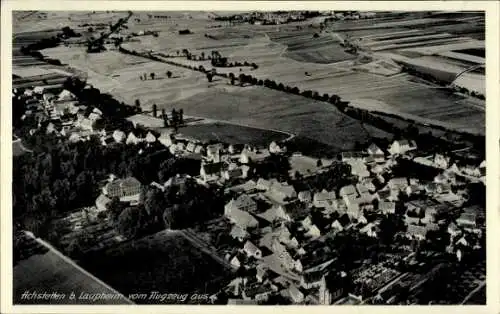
(242, 78)
(232, 81)
(174, 117)
(181, 116)
(209, 77)
(165, 118)
(127, 223)
(202, 56)
(319, 163)
(137, 103)
(169, 74)
(152, 75)
(155, 108)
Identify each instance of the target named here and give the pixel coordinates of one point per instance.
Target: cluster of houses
(470, 171)
(275, 224)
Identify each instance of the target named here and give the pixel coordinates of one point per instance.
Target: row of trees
(410, 131)
(152, 75)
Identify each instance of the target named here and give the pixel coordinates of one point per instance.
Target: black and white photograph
(257, 157)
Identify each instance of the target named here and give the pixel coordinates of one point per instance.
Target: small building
(132, 139)
(293, 294)
(305, 196)
(239, 233)
(441, 161)
(150, 138)
(282, 190)
(467, 220)
(400, 147)
(252, 251)
(348, 191)
(352, 157)
(211, 171)
(235, 262)
(274, 214)
(399, 184)
(370, 230)
(119, 136)
(453, 230)
(417, 232)
(324, 198)
(243, 203)
(167, 139)
(387, 207)
(274, 148)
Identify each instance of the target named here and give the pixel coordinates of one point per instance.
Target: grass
(163, 262)
(231, 134)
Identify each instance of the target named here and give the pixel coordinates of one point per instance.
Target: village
(292, 223)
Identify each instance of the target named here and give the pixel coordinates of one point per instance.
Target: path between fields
(72, 263)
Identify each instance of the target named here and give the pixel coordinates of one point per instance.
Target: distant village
(287, 242)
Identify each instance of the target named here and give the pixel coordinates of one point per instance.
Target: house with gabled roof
(400, 147)
(211, 171)
(251, 250)
(239, 233)
(275, 213)
(265, 185)
(293, 294)
(282, 191)
(305, 196)
(167, 139)
(352, 156)
(324, 198)
(416, 231)
(336, 226)
(373, 149)
(387, 207)
(348, 190)
(243, 203)
(370, 230)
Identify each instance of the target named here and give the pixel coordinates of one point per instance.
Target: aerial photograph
(248, 158)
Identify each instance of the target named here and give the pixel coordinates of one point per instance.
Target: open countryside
(271, 158)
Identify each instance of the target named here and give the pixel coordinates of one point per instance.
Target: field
(231, 134)
(163, 262)
(290, 56)
(301, 46)
(269, 109)
(49, 272)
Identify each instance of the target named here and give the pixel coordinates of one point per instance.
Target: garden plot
(165, 262)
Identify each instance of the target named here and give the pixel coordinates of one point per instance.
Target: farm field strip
(412, 39)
